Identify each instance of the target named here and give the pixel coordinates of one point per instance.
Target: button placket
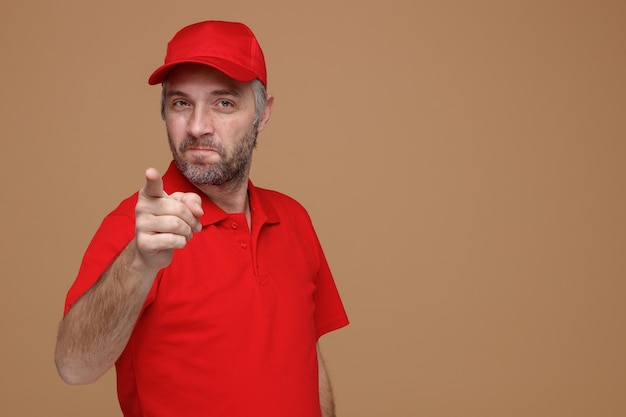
(244, 238)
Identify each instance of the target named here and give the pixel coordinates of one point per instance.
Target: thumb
(154, 184)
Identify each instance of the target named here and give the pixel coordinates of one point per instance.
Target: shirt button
(234, 225)
(244, 245)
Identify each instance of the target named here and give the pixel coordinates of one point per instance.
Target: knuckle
(180, 210)
(174, 224)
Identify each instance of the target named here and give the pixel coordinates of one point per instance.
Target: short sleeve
(330, 313)
(115, 232)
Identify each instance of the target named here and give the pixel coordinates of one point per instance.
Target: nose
(200, 122)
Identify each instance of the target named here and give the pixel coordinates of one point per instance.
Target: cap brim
(234, 71)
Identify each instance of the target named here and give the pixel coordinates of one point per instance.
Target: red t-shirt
(230, 327)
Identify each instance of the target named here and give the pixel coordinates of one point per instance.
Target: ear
(265, 117)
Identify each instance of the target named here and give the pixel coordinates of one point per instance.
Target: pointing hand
(164, 222)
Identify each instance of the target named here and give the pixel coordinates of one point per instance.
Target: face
(210, 121)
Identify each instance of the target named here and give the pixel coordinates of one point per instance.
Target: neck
(230, 198)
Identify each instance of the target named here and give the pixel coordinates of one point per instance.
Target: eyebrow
(226, 92)
(214, 93)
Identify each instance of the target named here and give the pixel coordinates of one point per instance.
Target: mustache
(202, 142)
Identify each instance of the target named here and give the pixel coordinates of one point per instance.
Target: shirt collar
(261, 207)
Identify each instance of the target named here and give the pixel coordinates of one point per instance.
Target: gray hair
(260, 99)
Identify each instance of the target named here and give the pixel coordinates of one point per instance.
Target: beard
(231, 169)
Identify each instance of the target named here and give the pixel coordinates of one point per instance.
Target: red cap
(227, 46)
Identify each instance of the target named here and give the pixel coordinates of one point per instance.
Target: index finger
(154, 184)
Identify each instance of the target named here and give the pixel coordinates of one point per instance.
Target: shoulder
(278, 198)
(126, 207)
(121, 220)
(282, 205)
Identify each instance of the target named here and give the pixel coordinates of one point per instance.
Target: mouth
(201, 155)
(200, 149)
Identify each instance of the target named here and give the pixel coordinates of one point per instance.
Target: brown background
(464, 163)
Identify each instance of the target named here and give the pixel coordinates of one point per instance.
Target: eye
(180, 103)
(225, 106)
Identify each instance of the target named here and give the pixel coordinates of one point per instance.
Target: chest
(227, 277)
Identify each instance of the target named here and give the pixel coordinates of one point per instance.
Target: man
(207, 293)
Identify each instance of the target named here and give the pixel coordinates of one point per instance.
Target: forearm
(327, 399)
(96, 329)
